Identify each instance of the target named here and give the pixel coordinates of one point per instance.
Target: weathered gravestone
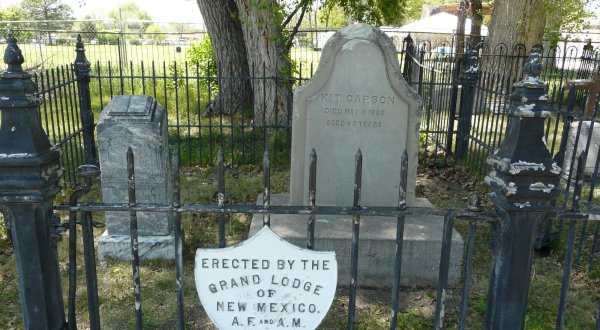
(357, 99)
(265, 283)
(138, 122)
(586, 133)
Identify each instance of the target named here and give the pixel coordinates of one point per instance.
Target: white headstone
(265, 283)
(584, 131)
(356, 99)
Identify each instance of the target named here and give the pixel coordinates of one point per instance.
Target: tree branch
(297, 26)
(301, 5)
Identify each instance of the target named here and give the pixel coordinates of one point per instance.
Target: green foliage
(89, 29)
(412, 9)
(12, 13)
(48, 10)
(108, 39)
(202, 54)
(564, 16)
(131, 12)
(332, 16)
(376, 12)
(155, 32)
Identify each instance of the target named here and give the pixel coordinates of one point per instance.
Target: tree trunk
(225, 32)
(460, 28)
(266, 57)
(476, 22)
(518, 25)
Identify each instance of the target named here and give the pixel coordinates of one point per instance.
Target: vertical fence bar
(597, 327)
(440, 305)
(133, 228)
(467, 275)
(178, 241)
(593, 248)
(221, 197)
(355, 240)
(312, 195)
(267, 188)
(89, 172)
(72, 321)
(399, 240)
(562, 302)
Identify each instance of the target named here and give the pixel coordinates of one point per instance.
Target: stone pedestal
(421, 248)
(150, 247)
(138, 122)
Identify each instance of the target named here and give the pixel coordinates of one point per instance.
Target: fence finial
(533, 66)
(13, 56)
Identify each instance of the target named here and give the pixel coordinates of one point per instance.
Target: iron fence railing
(429, 73)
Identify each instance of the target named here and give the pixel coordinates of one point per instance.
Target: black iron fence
(456, 93)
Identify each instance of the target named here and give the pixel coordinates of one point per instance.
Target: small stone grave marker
(138, 122)
(265, 283)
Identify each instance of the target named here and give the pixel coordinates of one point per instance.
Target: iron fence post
(523, 181)
(82, 72)
(409, 53)
(29, 174)
(468, 79)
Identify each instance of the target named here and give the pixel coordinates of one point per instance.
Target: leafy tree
(155, 32)
(332, 16)
(48, 10)
(251, 35)
(376, 12)
(565, 16)
(12, 13)
(89, 28)
(131, 13)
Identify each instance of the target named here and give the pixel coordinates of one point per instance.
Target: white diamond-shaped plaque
(265, 283)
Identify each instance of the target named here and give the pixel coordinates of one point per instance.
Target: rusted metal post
(29, 174)
(523, 181)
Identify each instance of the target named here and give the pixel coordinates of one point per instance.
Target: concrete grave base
(150, 247)
(421, 248)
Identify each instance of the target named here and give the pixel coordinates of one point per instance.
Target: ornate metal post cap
(524, 175)
(470, 68)
(23, 141)
(13, 56)
(16, 86)
(81, 62)
(529, 97)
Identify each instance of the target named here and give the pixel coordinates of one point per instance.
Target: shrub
(202, 54)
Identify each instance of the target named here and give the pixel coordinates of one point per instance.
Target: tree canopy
(12, 13)
(46, 10)
(131, 12)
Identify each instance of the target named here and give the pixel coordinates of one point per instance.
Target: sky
(160, 10)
